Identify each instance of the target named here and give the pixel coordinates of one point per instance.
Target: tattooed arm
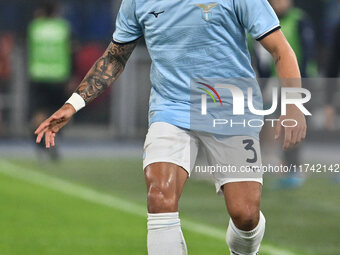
(288, 71)
(102, 74)
(285, 60)
(105, 71)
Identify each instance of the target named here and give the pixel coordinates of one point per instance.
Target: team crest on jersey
(206, 10)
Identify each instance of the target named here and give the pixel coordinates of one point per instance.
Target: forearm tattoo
(105, 71)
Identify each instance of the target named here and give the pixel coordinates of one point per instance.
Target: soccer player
(191, 39)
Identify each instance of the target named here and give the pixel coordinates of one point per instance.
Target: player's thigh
(167, 163)
(238, 175)
(165, 181)
(243, 199)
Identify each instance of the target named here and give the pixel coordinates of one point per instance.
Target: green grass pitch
(36, 219)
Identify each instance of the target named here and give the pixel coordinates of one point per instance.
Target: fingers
(41, 130)
(288, 139)
(293, 137)
(48, 139)
(40, 136)
(46, 123)
(278, 130)
(42, 127)
(49, 128)
(296, 136)
(304, 133)
(301, 135)
(53, 139)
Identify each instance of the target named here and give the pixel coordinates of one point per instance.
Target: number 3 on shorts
(249, 147)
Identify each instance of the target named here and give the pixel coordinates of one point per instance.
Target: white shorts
(227, 158)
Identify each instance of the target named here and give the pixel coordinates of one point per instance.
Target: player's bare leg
(165, 182)
(247, 223)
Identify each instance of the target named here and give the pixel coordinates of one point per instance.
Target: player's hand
(292, 135)
(53, 124)
(329, 117)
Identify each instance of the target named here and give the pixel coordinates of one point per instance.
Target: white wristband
(76, 101)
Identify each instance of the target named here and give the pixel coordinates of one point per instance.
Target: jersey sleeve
(257, 16)
(128, 28)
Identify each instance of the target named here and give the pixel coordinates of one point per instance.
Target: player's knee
(246, 218)
(162, 199)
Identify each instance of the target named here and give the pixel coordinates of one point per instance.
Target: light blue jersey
(193, 39)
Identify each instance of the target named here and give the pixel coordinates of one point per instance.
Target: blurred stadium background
(88, 196)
